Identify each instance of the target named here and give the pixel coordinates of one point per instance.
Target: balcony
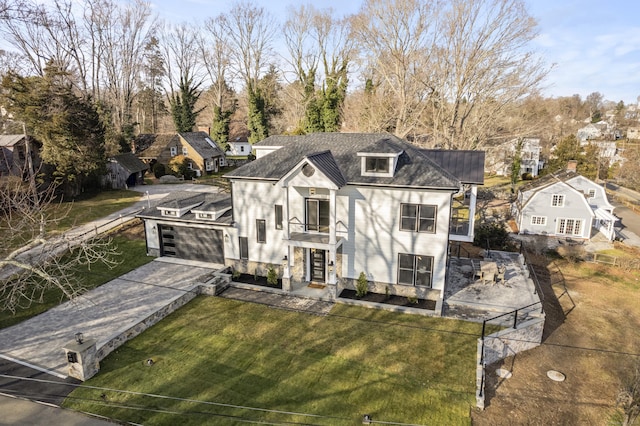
(313, 235)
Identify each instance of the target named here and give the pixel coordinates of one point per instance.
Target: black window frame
(244, 247)
(413, 260)
(418, 222)
(278, 215)
(376, 164)
(261, 231)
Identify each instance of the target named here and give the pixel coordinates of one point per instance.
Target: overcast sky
(595, 45)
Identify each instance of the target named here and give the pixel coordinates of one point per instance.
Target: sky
(593, 46)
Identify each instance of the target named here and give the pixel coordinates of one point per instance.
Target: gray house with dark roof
(322, 208)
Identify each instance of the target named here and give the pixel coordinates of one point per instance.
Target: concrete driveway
(100, 313)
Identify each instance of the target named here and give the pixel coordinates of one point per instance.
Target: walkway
(99, 314)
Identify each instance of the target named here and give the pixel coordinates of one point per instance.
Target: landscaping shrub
(362, 286)
(495, 235)
(159, 170)
(272, 276)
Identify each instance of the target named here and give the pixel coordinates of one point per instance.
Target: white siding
(255, 200)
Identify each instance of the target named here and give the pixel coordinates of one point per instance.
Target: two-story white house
(564, 204)
(322, 208)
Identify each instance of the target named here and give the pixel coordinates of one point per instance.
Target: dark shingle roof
(151, 145)
(413, 169)
(468, 166)
(130, 162)
(326, 164)
(198, 140)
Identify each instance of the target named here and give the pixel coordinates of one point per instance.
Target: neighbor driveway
(99, 314)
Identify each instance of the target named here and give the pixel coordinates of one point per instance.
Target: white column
(332, 218)
(472, 208)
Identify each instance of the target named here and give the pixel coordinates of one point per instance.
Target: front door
(317, 265)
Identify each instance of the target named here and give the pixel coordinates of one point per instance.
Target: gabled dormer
(381, 159)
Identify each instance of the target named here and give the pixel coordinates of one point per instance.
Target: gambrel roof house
(322, 208)
(564, 204)
(204, 154)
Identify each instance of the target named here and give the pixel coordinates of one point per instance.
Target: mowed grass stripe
(352, 362)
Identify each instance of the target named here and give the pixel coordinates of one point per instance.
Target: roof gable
(202, 144)
(130, 162)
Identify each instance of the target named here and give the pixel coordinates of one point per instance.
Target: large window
(278, 212)
(261, 230)
(538, 220)
(174, 151)
(557, 200)
(418, 217)
(377, 165)
(415, 270)
(317, 215)
(244, 248)
(569, 226)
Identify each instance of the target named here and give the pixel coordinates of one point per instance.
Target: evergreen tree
(183, 105)
(68, 125)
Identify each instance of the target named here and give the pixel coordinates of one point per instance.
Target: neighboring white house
(239, 148)
(322, 208)
(564, 204)
(500, 158)
(588, 132)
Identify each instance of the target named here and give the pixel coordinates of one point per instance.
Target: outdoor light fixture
(285, 261)
(226, 238)
(79, 338)
(331, 267)
(366, 419)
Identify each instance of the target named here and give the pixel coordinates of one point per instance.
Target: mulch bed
(389, 300)
(261, 281)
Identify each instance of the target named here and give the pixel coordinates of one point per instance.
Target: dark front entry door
(317, 265)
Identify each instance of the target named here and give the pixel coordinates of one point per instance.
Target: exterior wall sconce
(331, 267)
(79, 338)
(285, 261)
(226, 238)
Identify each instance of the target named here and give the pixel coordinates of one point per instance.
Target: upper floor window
(209, 165)
(592, 193)
(557, 200)
(317, 215)
(418, 217)
(174, 151)
(185, 151)
(377, 165)
(241, 148)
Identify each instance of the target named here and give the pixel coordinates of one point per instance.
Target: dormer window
(377, 165)
(169, 213)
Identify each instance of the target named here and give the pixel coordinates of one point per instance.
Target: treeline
(455, 74)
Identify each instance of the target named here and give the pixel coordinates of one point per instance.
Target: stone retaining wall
(210, 288)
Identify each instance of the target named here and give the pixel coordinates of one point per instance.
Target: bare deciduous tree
(33, 260)
(397, 38)
(629, 398)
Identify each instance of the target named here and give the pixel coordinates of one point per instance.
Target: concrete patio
(471, 299)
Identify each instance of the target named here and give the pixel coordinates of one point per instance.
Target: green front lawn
(94, 206)
(355, 361)
(133, 254)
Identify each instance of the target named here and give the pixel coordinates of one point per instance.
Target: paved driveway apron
(99, 314)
